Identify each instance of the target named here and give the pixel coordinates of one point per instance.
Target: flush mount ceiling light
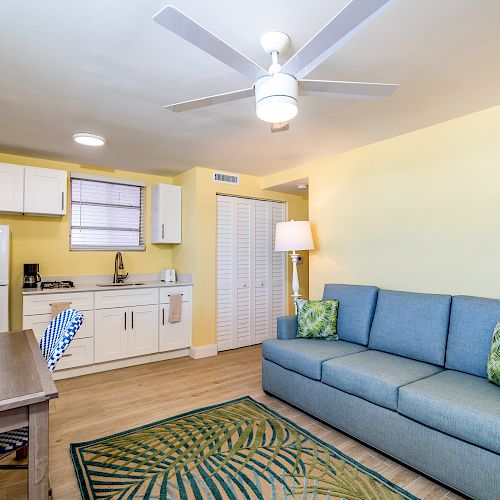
(88, 139)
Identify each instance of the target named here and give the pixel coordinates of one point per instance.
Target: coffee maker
(31, 276)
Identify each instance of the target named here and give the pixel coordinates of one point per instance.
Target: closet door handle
(163, 231)
(125, 320)
(163, 316)
(132, 320)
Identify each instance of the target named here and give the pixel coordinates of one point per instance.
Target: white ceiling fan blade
(280, 127)
(354, 16)
(180, 24)
(209, 101)
(346, 89)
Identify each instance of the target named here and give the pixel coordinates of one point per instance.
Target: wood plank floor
(97, 405)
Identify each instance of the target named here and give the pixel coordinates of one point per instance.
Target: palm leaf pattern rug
(236, 450)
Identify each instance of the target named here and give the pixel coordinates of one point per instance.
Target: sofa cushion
(472, 322)
(317, 319)
(461, 405)
(305, 356)
(414, 325)
(356, 307)
(375, 376)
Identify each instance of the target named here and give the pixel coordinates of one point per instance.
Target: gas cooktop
(56, 284)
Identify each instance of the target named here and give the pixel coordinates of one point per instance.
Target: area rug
(236, 450)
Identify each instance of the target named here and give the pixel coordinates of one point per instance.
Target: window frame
(109, 180)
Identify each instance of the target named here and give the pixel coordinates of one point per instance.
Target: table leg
(38, 461)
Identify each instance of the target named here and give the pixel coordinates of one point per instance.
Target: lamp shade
(293, 235)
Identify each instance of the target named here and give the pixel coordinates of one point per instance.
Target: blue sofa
(407, 376)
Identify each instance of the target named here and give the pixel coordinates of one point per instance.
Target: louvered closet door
(262, 237)
(226, 241)
(250, 275)
(277, 276)
(243, 271)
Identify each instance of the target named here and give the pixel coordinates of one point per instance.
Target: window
(106, 214)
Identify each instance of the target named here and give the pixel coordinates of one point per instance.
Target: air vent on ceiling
(226, 178)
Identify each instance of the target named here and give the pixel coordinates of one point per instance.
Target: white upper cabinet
(45, 191)
(11, 187)
(166, 208)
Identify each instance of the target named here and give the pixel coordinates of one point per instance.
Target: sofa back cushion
(413, 325)
(472, 322)
(355, 313)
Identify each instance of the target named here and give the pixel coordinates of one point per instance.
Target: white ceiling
(105, 67)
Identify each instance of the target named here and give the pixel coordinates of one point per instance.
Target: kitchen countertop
(90, 287)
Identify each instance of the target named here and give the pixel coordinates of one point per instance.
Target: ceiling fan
(276, 90)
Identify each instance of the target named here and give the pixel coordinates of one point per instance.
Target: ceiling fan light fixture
(88, 139)
(276, 98)
(277, 109)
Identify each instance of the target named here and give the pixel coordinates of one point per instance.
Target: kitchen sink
(119, 284)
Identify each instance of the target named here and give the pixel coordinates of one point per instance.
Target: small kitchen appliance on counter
(31, 276)
(167, 275)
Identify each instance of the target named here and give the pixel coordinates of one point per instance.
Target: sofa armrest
(287, 327)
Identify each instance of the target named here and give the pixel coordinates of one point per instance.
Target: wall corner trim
(203, 351)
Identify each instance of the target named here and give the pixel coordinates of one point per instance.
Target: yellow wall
(199, 239)
(46, 239)
(419, 212)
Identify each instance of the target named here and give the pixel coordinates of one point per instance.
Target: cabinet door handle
(169, 295)
(163, 231)
(67, 355)
(125, 320)
(163, 316)
(132, 320)
(62, 201)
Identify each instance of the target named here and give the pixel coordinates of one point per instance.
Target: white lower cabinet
(39, 322)
(142, 335)
(118, 324)
(174, 335)
(125, 332)
(81, 349)
(79, 353)
(110, 341)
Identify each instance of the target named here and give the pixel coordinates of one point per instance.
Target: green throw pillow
(317, 319)
(493, 366)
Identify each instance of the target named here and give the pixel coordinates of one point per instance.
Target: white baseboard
(204, 351)
(121, 363)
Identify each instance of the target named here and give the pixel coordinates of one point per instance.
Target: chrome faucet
(119, 278)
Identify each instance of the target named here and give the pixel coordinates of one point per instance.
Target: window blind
(106, 215)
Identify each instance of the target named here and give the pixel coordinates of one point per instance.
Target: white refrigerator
(4, 277)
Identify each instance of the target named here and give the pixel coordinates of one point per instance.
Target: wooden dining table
(26, 386)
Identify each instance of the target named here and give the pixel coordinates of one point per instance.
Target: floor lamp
(290, 237)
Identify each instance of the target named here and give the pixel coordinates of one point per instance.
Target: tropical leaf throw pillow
(493, 366)
(317, 319)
